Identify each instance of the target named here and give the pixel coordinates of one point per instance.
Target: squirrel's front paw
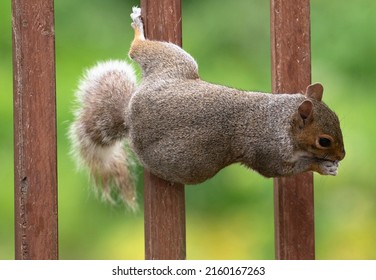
(329, 167)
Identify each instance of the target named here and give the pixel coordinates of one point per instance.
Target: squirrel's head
(316, 128)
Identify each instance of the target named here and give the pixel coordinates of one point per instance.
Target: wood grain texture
(35, 165)
(165, 236)
(291, 72)
(164, 219)
(162, 20)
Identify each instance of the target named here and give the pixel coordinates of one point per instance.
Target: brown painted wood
(291, 72)
(162, 20)
(164, 219)
(164, 201)
(35, 166)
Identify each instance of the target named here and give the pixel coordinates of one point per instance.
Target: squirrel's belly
(177, 165)
(178, 157)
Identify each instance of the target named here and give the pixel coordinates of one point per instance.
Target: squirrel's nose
(341, 154)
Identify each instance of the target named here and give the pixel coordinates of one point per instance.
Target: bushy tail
(100, 128)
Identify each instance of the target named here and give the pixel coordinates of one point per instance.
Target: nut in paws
(329, 167)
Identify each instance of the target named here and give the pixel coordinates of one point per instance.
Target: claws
(137, 23)
(136, 13)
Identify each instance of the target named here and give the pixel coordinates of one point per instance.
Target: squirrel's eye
(324, 142)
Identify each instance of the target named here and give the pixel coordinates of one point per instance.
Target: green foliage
(231, 215)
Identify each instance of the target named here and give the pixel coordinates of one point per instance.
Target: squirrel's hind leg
(137, 24)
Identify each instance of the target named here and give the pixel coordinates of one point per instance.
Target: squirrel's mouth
(321, 159)
(327, 157)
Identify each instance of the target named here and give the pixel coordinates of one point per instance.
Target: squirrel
(185, 130)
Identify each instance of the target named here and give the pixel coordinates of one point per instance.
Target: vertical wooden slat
(164, 201)
(291, 72)
(35, 165)
(164, 219)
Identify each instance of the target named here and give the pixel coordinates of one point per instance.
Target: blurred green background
(231, 215)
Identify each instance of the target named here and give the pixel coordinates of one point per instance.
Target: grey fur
(185, 130)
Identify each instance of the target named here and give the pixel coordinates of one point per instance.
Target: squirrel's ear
(305, 110)
(315, 91)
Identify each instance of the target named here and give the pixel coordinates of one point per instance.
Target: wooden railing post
(35, 167)
(291, 72)
(164, 201)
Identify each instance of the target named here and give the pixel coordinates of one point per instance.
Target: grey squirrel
(185, 130)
